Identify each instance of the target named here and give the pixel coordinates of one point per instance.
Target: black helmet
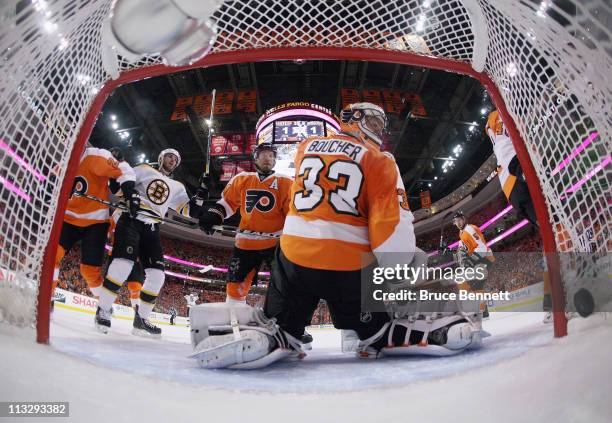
(266, 146)
(458, 214)
(117, 153)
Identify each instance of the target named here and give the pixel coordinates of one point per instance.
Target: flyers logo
(259, 199)
(80, 185)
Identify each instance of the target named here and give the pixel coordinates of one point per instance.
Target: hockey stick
(122, 206)
(442, 249)
(244, 231)
(191, 225)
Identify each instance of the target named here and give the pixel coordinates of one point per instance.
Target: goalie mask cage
(544, 64)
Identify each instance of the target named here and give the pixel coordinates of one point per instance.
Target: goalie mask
(160, 160)
(368, 119)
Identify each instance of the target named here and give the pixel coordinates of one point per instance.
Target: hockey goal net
(545, 64)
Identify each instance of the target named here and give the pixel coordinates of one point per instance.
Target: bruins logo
(158, 191)
(259, 199)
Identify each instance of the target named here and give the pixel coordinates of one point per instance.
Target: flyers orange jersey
(503, 149)
(263, 206)
(97, 166)
(348, 204)
(475, 242)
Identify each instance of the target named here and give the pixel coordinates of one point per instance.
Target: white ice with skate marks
(325, 369)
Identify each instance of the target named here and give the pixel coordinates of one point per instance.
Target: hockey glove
(113, 186)
(201, 193)
(196, 203)
(214, 215)
(131, 197)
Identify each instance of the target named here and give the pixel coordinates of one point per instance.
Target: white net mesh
(551, 65)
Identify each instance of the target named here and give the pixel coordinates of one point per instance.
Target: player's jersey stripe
(100, 214)
(321, 229)
(316, 253)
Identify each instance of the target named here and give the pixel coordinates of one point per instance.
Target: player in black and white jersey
(139, 237)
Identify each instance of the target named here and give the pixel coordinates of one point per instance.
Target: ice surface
(521, 374)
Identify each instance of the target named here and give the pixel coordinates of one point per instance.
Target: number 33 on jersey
(347, 199)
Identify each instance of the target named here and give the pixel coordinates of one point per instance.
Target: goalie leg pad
(455, 334)
(238, 336)
(224, 351)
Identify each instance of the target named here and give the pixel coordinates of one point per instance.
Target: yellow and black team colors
(137, 238)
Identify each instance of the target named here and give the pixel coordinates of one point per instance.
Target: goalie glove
(132, 197)
(214, 215)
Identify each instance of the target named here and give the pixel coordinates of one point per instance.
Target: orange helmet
(365, 121)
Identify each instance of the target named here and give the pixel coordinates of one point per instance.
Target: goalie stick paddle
(190, 225)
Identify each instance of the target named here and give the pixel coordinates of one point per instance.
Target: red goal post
(55, 84)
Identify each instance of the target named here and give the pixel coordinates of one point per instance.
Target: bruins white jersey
(159, 193)
(503, 149)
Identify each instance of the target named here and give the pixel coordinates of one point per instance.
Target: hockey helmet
(459, 215)
(160, 158)
(117, 153)
(366, 118)
(266, 146)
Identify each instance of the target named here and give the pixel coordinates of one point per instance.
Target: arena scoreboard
(286, 125)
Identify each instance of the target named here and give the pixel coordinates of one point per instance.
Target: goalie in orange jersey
(348, 213)
(87, 220)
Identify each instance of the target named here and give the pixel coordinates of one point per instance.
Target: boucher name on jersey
(336, 147)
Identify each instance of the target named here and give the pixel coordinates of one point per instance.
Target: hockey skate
(102, 320)
(143, 327)
(306, 341)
